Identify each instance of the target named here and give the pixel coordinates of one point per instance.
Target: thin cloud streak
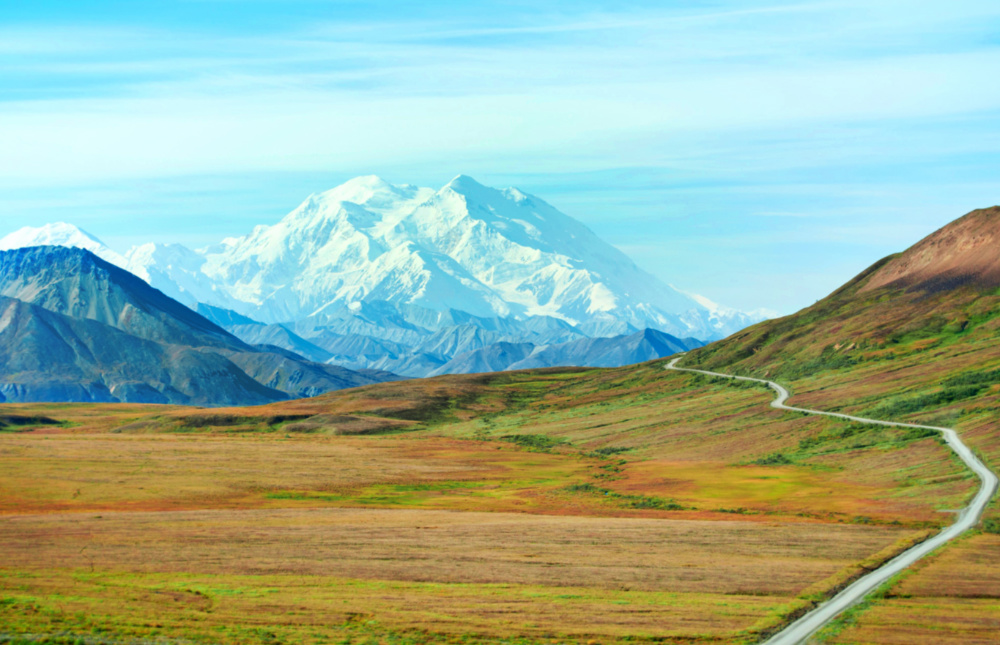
(649, 124)
(298, 129)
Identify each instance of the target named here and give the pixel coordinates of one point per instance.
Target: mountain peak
(371, 182)
(60, 234)
(52, 234)
(964, 252)
(362, 190)
(369, 191)
(464, 183)
(466, 246)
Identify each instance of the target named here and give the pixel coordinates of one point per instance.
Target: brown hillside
(965, 252)
(942, 291)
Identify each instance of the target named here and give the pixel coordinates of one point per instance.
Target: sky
(759, 153)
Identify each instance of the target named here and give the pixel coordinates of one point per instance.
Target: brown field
(619, 504)
(86, 417)
(73, 472)
(491, 574)
(172, 472)
(725, 557)
(952, 597)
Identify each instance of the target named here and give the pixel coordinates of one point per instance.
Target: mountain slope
(78, 284)
(492, 358)
(174, 269)
(46, 356)
(964, 253)
(914, 338)
(280, 336)
(171, 343)
(618, 351)
(224, 317)
(940, 292)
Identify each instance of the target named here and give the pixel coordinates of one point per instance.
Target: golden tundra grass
(621, 504)
(950, 598)
(53, 473)
(305, 575)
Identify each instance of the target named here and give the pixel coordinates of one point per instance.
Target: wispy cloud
(645, 121)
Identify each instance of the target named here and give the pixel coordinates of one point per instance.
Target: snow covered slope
(173, 269)
(466, 247)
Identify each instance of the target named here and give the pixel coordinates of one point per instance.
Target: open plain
(567, 505)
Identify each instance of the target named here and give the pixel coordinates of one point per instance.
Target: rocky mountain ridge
(76, 328)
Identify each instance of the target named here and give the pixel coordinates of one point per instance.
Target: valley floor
(311, 575)
(554, 506)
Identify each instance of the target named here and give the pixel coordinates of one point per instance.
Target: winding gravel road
(800, 630)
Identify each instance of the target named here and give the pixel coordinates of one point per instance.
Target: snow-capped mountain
(61, 234)
(371, 272)
(466, 247)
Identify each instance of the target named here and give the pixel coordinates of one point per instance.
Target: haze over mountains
(418, 281)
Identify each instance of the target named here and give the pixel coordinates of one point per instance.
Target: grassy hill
(915, 337)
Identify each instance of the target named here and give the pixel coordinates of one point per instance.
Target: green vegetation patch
(382, 494)
(21, 423)
(740, 384)
(198, 421)
(902, 407)
(981, 378)
(773, 459)
(539, 442)
(338, 611)
(305, 496)
(856, 436)
(629, 501)
(608, 451)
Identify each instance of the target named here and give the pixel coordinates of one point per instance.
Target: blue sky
(760, 153)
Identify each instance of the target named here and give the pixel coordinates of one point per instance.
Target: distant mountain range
(417, 281)
(76, 328)
(465, 348)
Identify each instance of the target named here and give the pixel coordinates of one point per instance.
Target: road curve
(810, 623)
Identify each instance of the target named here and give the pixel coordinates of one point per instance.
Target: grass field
(950, 598)
(305, 574)
(575, 505)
